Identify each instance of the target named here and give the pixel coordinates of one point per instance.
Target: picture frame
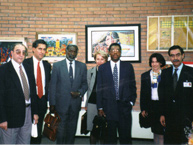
(56, 44)
(99, 37)
(6, 44)
(166, 31)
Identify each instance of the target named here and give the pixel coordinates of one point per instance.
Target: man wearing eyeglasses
(17, 99)
(41, 69)
(116, 94)
(176, 96)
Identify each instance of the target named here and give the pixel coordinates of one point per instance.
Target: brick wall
(23, 18)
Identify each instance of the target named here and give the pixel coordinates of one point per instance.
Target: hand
(36, 117)
(4, 125)
(144, 113)
(52, 108)
(101, 113)
(75, 94)
(85, 108)
(162, 121)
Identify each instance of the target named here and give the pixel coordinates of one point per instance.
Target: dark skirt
(156, 126)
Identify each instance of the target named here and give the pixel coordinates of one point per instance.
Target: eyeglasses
(18, 52)
(177, 55)
(115, 50)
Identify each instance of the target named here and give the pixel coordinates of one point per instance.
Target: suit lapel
(180, 80)
(121, 77)
(64, 70)
(110, 75)
(148, 81)
(15, 77)
(93, 76)
(46, 72)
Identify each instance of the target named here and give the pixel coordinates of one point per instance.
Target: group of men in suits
(24, 101)
(24, 86)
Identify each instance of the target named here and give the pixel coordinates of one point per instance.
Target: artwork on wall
(100, 37)
(6, 44)
(166, 31)
(57, 43)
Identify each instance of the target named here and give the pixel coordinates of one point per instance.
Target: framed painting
(100, 37)
(6, 44)
(56, 44)
(166, 31)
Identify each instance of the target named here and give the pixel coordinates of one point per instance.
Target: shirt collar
(179, 68)
(15, 64)
(113, 63)
(68, 62)
(36, 60)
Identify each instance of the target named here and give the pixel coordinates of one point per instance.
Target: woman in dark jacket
(149, 96)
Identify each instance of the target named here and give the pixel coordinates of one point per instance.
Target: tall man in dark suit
(176, 94)
(67, 87)
(116, 94)
(18, 105)
(41, 69)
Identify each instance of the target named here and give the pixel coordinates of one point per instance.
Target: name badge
(187, 84)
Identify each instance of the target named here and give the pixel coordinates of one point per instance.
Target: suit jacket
(106, 97)
(42, 103)
(60, 86)
(91, 77)
(145, 93)
(182, 95)
(12, 100)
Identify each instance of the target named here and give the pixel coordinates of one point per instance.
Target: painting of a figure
(100, 37)
(102, 41)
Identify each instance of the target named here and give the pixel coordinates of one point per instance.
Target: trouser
(19, 135)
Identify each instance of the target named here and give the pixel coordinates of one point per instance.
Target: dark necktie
(39, 81)
(115, 78)
(175, 79)
(25, 85)
(71, 73)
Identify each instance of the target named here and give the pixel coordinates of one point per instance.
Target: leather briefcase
(83, 129)
(99, 130)
(51, 125)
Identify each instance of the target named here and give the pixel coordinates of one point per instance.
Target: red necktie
(39, 81)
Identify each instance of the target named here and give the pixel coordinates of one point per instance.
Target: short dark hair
(13, 47)
(159, 58)
(176, 47)
(72, 45)
(114, 44)
(37, 42)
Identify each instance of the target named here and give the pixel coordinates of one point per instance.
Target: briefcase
(99, 130)
(145, 121)
(83, 129)
(51, 126)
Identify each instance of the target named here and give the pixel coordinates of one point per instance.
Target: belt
(27, 105)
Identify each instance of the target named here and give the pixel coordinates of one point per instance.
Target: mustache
(175, 60)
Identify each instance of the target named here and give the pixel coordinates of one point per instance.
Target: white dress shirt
(16, 67)
(35, 62)
(179, 70)
(112, 63)
(73, 66)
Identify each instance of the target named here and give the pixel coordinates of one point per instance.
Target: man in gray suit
(67, 87)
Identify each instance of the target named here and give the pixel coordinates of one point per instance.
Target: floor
(85, 140)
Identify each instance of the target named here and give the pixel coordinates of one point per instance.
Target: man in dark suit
(176, 95)
(41, 69)
(67, 87)
(116, 94)
(18, 105)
